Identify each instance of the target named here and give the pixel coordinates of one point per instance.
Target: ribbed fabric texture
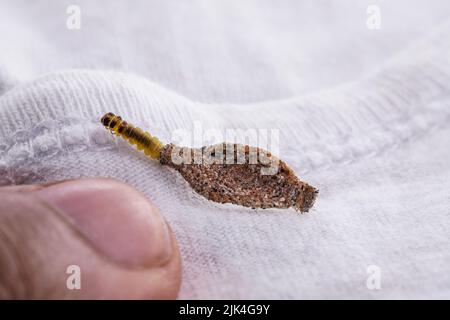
(376, 147)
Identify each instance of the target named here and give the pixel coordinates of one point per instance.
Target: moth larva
(240, 182)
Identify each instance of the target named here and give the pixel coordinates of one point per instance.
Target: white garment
(363, 116)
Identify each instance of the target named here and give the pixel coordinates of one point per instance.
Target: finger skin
(38, 243)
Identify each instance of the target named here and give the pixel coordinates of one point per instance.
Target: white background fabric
(363, 115)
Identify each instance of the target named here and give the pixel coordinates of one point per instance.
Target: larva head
(110, 120)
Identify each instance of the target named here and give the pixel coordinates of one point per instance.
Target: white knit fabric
(363, 115)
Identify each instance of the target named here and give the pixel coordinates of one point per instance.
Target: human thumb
(89, 239)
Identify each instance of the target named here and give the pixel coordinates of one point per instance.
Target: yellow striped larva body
(143, 140)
